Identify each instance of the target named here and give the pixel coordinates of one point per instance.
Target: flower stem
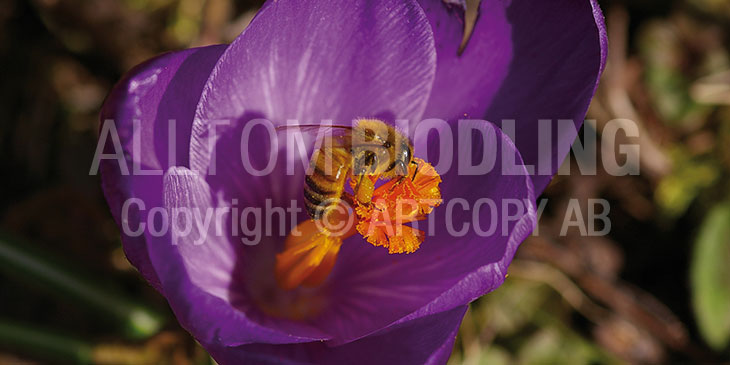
(43, 343)
(28, 264)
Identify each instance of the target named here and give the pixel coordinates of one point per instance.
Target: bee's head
(388, 151)
(402, 157)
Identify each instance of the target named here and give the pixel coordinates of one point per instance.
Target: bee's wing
(341, 135)
(316, 129)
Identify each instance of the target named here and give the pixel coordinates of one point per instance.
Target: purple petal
(372, 288)
(166, 87)
(560, 51)
(336, 60)
(244, 287)
(525, 61)
(427, 340)
(198, 270)
(466, 82)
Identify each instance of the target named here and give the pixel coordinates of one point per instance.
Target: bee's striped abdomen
(325, 182)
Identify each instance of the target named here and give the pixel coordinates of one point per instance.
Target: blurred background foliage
(655, 290)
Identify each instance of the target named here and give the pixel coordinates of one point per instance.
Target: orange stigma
(311, 249)
(396, 203)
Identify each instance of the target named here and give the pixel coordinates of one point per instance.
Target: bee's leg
(359, 182)
(397, 182)
(364, 166)
(401, 171)
(414, 172)
(348, 198)
(401, 178)
(364, 189)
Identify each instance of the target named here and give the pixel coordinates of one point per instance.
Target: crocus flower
(340, 60)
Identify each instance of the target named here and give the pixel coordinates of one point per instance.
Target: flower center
(311, 249)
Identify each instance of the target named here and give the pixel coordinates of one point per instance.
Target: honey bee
(370, 148)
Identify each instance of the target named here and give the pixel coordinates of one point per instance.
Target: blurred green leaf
(723, 137)
(691, 175)
(28, 264)
(44, 343)
(552, 346)
(717, 8)
(185, 26)
(663, 49)
(710, 275)
(526, 319)
(508, 310)
(495, 355)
